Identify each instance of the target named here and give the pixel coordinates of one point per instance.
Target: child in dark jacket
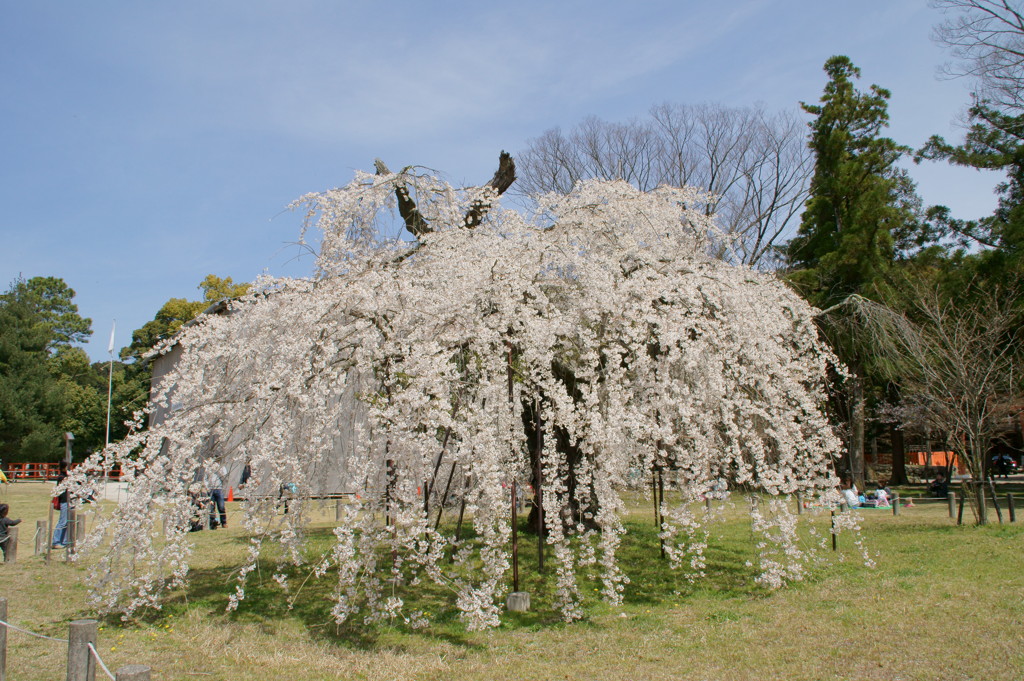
(5, 523)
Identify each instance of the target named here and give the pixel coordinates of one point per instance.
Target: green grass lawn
(943, 602)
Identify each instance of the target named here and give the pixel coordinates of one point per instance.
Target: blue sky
(144, 145)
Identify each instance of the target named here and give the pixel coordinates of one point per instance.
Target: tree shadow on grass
(310, 599)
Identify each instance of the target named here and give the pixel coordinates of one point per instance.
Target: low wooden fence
(83, 657)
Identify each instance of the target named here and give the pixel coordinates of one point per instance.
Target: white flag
(110, 346)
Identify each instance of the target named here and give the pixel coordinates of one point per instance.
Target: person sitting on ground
(939, 488)
(880, 497)
(849, 492)
(6, 523)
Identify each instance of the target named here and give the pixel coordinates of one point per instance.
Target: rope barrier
(99, 661)
(32, 633)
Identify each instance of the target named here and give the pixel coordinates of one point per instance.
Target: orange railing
(42, 471)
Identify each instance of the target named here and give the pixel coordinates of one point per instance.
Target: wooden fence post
(1010, 507)
(81, 664)
(3, 640)
(951, 500)
(69, 533)
(132, 672)
(41, 537)
(11, 554)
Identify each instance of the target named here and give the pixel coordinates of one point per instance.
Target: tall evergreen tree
(861, 213)
(862, 207)
(992, 247)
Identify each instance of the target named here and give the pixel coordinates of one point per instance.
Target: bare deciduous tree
(958, 365)
(987, 40)
(755, 164)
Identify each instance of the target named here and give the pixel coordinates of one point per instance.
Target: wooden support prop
(41, 538)
(951, 500)
(81, 663)
(3, 640)
(896, 504)
(337, 511)
(515, 541)
(538, 500)
(661, 502)
(389, 489)
(960, 511)
(799, 503)
(654, 496)
(995, 500)
(80, 528)
(1011, 510)
(11, 554)
(444, 497)
(132, 672)
(835, 544)
(707, 504)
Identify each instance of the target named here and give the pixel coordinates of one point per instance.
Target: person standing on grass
(215, 483)
(5, 523)
(60, 532)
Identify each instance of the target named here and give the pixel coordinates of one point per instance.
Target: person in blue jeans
(60, 532)
(215, 483)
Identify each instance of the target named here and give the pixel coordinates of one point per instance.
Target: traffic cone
(231, 493)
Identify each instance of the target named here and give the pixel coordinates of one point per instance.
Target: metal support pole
(81, 664)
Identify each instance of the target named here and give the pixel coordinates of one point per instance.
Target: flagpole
(110, 391)
(110, 378)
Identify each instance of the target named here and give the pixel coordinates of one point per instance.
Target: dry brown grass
(943, 603)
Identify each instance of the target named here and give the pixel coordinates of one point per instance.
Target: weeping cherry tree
(600, 321)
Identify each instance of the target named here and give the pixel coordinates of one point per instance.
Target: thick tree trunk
(856, 450)
(578, 500)
(981, 465)
(899, 457)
